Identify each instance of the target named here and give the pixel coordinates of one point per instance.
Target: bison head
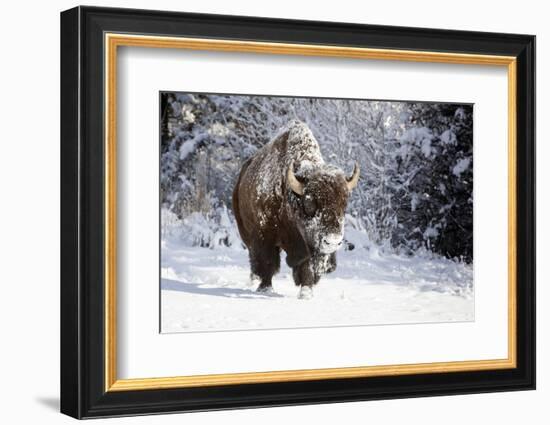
(322, 196)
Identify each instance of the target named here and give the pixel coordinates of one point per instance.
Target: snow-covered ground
(206, 289)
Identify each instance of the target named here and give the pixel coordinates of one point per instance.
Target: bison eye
(309, 206)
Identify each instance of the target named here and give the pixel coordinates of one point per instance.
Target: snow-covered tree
(416, 162)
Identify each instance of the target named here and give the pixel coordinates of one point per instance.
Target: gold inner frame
(113, 41)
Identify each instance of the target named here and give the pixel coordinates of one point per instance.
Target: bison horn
(293, 182)
(354, 179)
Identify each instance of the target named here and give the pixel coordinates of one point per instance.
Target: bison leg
(324, 263)
(265, 260)
(331, 263)
(305, 277)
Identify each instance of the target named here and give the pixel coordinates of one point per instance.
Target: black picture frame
(83, 392)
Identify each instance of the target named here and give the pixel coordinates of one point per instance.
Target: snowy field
(206, 289)
(414, 195)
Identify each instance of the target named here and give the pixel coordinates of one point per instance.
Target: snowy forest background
(416, 159)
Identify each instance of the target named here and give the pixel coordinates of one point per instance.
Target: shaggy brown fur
(271, 216)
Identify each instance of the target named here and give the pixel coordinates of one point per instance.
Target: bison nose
(331, 243)
(333, 240)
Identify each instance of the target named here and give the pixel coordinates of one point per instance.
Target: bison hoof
(265, 289)
(254, 279)
(306, 293)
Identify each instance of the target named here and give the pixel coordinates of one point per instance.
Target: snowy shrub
(355, 235)
(214, 230)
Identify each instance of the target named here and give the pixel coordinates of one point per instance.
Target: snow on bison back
(287, 197)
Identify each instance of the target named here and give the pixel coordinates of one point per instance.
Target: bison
(287, 197)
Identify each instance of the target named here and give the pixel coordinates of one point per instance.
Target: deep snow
(206, 289)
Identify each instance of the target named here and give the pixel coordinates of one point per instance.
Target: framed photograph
(261, 212)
